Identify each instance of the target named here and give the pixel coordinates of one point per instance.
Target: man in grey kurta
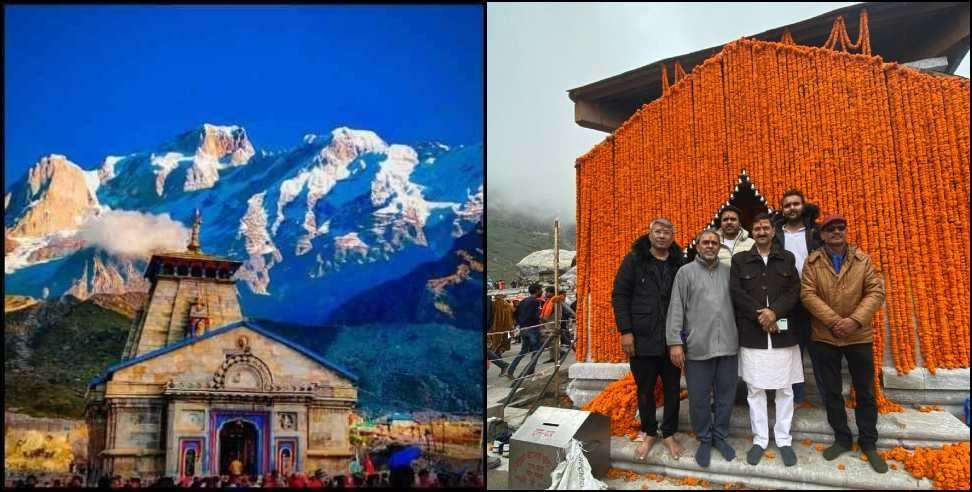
(701, 308)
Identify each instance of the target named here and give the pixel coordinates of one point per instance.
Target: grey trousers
(706, 380)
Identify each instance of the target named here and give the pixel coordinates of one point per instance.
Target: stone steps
(811, 472)
(947, 388)
(908, 429)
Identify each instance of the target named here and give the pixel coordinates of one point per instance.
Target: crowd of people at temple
(748, 306)
(405, 477)
(533, 321)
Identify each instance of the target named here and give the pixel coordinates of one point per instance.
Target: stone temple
(199, 386)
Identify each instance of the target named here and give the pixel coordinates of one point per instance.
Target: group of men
(749, 306)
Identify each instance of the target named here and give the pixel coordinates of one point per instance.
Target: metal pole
(555, 346)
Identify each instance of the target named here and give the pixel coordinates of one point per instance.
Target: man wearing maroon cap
(842, 291)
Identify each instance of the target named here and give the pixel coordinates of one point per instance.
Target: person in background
(548, 316)
(733, 238)
(499, 320)
(272, 480)
(236, 466)
(317, 480)
(797, 232)
(528, 319)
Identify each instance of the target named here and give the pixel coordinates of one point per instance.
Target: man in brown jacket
(842, 291)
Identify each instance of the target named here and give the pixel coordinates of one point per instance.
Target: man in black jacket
(797, 232)
(528, 319)
(642, 288)
(764, 286)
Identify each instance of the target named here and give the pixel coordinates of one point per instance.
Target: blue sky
(92, 81)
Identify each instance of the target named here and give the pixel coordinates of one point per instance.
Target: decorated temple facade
(200, 386)
(883, 143)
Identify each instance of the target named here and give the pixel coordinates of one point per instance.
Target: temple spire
(194, 239)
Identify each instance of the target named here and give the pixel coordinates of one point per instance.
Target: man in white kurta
(765, 285)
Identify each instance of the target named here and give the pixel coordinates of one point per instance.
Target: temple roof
(105, 376)
(193, 254)
(899, 32)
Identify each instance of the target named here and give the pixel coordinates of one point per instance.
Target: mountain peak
(218, 142)
(55, 195)
(362, 141)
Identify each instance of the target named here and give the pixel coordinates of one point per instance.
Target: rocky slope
(56, 195)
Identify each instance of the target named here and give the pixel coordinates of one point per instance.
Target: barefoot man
(642, 288)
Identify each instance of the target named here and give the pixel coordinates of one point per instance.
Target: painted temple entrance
(238, 440)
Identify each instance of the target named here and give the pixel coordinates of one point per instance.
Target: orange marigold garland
(948, 467)
(882, 144)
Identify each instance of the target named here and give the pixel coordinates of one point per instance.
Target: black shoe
(704, 454)
(834, 451)
(493, 462)
(789, 457)
(876, 461)
(727, 452)
(754, 455)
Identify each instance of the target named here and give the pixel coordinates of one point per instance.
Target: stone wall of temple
(197, 363)
(167, 316)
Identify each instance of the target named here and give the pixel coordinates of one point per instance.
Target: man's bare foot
(640, 437)
(674, 449)
(642, 452)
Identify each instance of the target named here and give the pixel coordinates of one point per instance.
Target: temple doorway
(746, 198)
(238, 440)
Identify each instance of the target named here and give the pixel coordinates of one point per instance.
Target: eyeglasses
(839, 228)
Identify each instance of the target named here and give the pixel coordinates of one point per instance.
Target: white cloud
(134, 233)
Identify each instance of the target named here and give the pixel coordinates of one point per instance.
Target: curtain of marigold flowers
(882, 144)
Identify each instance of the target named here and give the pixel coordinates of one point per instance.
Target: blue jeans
(495, 359)
(530, 340)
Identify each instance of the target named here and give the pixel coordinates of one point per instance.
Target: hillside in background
(53, 348)
(511, 235)
(403, 367)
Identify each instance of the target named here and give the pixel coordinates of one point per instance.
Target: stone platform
(908, 429)
(947, 388)
(811, 472)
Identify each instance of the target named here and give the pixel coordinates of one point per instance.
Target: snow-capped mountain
(315, 226)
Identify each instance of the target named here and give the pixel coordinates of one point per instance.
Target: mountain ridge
(345, 210)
